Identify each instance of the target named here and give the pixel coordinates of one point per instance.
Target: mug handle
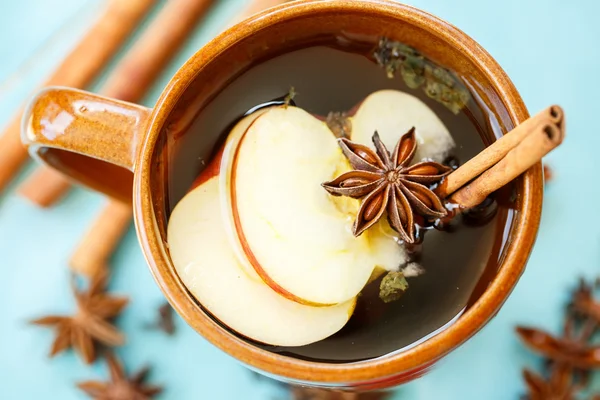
(90, 138)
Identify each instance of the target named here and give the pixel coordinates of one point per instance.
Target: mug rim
(523, 231)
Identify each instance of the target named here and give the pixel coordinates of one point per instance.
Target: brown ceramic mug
(114, 146)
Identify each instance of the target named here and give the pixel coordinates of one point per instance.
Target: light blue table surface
(551, 50)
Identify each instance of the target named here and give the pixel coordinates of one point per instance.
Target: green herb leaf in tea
(289, 98)
(392, 286)
(417, 71)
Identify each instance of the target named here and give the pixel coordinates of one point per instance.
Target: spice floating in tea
(392, 286)
(288, 100)
(386, 182)
(419, 72)
(89, 327)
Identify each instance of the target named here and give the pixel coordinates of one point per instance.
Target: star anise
(571, 357)
(571, 351)
(120, 387)
(386, 182)
(90, 325)
(165, 321)
(560, 385)
(570, 360)
(583, 302)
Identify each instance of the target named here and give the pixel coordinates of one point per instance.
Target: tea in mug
(303, 220)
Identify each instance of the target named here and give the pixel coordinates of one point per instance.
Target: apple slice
(207, 265)
(392, 113)
(295, 235)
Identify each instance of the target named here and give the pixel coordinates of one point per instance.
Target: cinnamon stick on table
(79, 69)
(130, 80)
(93, 253)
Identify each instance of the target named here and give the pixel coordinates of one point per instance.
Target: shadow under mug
(114, 146)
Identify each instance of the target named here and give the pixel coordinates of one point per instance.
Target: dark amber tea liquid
(459, 261)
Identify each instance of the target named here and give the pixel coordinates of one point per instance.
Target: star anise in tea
(90, 325)
(120, 387)
(386, 181)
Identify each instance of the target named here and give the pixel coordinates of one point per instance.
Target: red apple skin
(211, 170)
(246, 247)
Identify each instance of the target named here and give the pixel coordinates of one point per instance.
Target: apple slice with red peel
(224, 169)
(392, 113)
(295, 235)
(207, 265)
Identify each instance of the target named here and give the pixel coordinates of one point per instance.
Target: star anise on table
(570, 357)
(386, 181)
(120, 387)
(575, 352)
(583, 302)
(560, 385)
(90, 325)
(165, 321)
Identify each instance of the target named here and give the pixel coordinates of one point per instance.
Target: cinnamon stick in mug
(539, 141)
(78, 69)
(130, 80)
(495, 152)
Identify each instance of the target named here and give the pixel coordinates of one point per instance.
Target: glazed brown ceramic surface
(90, 138)
(273, 32)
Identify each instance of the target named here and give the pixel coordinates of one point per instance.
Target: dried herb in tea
(288, 100)
(392, 286)
(417, 71)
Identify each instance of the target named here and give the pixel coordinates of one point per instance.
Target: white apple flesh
(204, 259)
(296, 236)
(392, 113)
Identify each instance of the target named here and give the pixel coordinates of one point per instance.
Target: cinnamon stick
(98, 244)
(130, 80)
(78, 69)
(543, 137)
(494, 153)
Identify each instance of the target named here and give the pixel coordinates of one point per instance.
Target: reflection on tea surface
(248, 151)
